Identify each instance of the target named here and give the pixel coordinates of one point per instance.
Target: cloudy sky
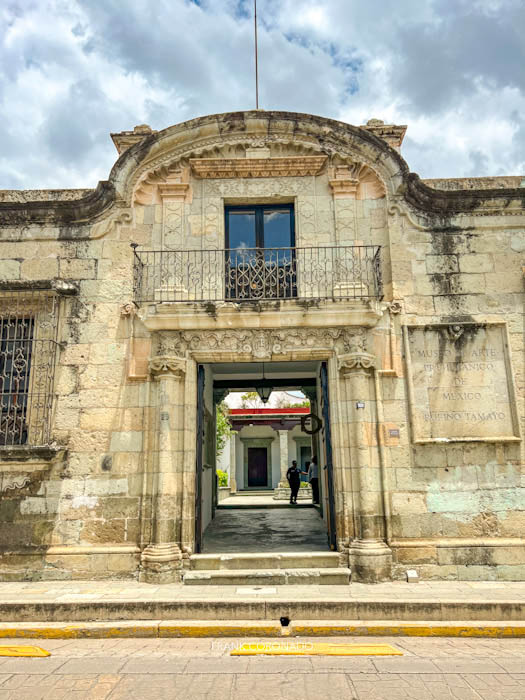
(75, 70)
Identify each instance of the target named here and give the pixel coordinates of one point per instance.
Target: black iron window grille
(28, 352)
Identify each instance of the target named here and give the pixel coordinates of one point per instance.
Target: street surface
(194, 669)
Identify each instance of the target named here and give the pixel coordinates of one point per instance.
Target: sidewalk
(127, 591)
(128, 608)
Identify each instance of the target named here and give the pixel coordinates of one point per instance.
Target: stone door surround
(172, 438)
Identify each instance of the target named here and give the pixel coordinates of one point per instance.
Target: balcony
(258, 274)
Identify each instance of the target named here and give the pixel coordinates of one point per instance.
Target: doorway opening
(244, 449)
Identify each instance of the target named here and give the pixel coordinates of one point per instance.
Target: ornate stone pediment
(288, 166)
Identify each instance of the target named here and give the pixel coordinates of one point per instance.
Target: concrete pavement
(430, 669)
(283, 529)
(113, 590)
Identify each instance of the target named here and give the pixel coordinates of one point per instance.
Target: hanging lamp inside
(264, 391)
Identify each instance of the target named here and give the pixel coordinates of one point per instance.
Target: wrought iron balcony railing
(251, 274)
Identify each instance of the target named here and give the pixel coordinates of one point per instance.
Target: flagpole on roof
(256, 57)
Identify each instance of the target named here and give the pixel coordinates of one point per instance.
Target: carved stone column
(283, 457)
(370, 556)
(162, 559)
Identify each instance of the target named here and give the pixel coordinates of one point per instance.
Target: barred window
(28, 352)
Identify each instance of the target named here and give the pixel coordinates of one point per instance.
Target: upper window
(260, 226)
(28, 323)
(260, 253)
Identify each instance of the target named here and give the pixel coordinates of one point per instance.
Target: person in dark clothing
(313, 478)
(294, 480)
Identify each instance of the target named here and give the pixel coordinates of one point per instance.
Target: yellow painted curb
(257, 629)
(187, 628)
(18, 651)
(92, 630)
(293, 648)
(488, 630)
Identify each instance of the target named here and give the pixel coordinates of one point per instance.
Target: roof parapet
(125, 139)
(391, 133)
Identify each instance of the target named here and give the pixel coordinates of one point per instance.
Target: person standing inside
(293, 476)
(313, 478)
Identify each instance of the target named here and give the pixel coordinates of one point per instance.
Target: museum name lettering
(472, 416)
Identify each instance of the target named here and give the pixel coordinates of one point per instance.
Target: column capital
(354, 361)
(344, 188)
(173, 191)
(167, 365)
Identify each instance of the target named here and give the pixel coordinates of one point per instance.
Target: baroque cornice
(426, 221)
(77, 213)
(446, 203)
(287, 166)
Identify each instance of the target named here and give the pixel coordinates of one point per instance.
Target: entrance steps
(272, 569)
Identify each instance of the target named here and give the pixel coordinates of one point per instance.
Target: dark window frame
(259, 210)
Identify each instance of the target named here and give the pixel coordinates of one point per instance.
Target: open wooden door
(199, 453)
(327, 467)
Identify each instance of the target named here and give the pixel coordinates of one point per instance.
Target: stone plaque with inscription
(460, 383)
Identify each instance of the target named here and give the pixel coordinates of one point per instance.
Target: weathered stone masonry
(429, 474)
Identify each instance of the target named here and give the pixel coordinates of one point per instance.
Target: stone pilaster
(173, 196)
(344, 187)
(162, 559)
(370, 556)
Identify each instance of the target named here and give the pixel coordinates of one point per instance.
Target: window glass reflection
(241, 230)
(277, 228)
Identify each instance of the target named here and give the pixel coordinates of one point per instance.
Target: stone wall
(458, 506)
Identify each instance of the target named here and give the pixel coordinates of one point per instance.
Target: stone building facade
(397, 302)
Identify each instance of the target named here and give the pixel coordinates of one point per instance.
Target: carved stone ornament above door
(258, 344)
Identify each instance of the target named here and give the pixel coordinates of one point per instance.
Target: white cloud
(76, 70)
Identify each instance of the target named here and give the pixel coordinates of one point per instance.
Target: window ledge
(27, 458)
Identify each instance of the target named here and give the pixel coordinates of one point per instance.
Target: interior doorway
(242, 496)
(257, 467)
